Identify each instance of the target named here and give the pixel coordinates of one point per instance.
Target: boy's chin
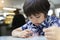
(37, 24)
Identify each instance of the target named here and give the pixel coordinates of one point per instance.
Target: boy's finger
(28, 31)
(49, 29)
(46, 30)
(50, 33)
(50, 38)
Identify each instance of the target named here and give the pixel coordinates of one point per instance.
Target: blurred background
(6, 13)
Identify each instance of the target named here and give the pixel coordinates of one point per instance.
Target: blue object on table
(14, 38)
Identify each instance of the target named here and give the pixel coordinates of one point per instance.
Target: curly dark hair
(32, 7)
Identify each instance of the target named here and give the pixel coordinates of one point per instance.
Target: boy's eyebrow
(36, 15)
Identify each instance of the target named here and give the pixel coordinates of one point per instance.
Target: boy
(36, 11)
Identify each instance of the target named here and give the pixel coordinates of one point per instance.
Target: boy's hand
(52, 33)
(25, 34)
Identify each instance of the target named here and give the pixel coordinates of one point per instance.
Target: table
(14, 38)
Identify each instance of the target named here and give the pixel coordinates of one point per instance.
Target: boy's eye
(30, 17)
(37, 16)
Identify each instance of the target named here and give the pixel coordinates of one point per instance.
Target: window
(57, 12)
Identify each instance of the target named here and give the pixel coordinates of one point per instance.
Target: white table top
(13, 38)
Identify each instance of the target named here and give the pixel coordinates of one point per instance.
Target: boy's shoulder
(53, 17)
(28, 23)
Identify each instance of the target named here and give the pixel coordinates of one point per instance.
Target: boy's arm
(16, 32)
(23, 31)
(53, 32)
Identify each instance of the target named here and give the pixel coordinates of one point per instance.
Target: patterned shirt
(48, 22)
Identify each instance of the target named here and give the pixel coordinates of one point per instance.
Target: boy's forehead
(35, 14)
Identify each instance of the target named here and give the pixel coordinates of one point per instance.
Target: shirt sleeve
(57, 21)
(24, 27)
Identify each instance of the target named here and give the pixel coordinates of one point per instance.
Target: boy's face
(37, 19)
